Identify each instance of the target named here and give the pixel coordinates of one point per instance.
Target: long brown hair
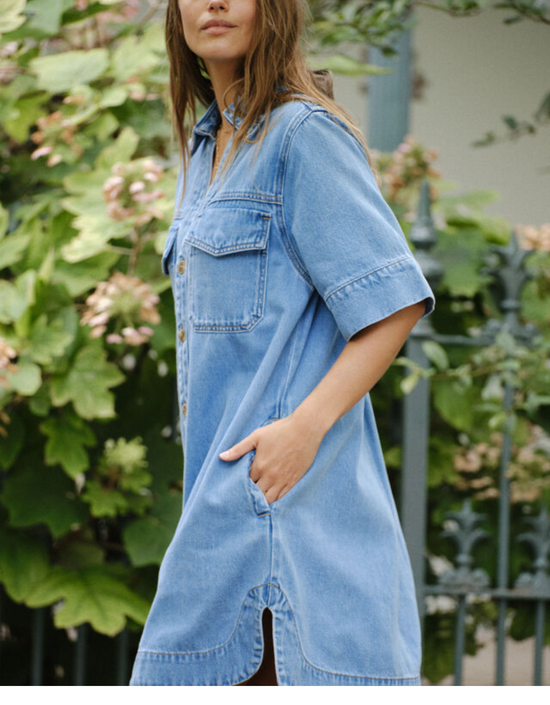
(276, 56)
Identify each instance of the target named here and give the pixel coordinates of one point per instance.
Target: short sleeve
(343, 233)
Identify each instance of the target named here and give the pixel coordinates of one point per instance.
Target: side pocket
(258, 496)
(261, 505)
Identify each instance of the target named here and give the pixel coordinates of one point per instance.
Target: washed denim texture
(273, 269)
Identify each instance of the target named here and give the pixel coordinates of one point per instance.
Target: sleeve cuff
(378, 294)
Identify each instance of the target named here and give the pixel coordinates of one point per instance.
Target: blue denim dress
(273, 268)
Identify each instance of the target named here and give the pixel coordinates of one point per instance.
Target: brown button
(181, 266)
(184, 409)
(181, 335)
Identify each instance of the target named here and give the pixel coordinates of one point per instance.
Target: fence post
(416, 408)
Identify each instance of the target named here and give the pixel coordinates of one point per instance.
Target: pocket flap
(220, 231)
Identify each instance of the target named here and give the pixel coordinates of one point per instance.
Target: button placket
(181, 350)
(182, 294)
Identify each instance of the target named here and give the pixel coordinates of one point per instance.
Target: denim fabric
(273, 269)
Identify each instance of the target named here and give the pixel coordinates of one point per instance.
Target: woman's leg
(266, 674)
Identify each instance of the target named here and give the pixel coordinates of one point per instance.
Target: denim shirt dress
(273, 268)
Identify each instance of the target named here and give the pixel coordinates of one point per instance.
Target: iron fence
(506, 266)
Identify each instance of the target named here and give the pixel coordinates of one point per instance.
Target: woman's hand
(285, 450)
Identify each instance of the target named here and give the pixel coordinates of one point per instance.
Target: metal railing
(463, 579)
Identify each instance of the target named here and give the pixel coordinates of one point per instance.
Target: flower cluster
(405, 167)
(528, 470)
(8, 68)
(127, 10)
(54, 129)
(478, 464)
(129, 193)
(7, 353)
(129, 302)
(533, 238)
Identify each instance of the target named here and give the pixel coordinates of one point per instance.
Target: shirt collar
(208, 124)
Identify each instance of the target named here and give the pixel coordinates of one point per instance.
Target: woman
(294, 289)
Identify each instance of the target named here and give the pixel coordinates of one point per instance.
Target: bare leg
(266, 674)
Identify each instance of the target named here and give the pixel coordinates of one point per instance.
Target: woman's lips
(217, 29)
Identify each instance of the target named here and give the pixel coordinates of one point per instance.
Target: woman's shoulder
(310, 125)
(295, 108)
(303, 121)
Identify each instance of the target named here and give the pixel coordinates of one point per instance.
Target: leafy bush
(92, 486)
(92, 478)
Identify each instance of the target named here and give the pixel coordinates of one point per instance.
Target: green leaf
(46, 15)
(455, 403)
(95, 231)
(60, 72)
(88, 184)
(46, 267)
(87, 382)
(10, 445)
(104, 125)
(91, 594)
(79, 277)
(48, 340)
(438, 647)
(103, 501)
(460, 254)
(10, 17)
(40, 404)
(345, 65)
(25, 285)
(436, 354)
(522, 625)
(13, 303)
(153, 38)
(409, 382)
(4, 217)
(166, 458)
(35, 495)
(80, 552)
(24, 563)
(126, 461)
(147, 539)
(67, 438)
(22, 115)
(12, 249)
(28, 378)
(131, 58)
(121, 150)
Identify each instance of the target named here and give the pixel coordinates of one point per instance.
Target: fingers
(239, 449)
(274, 492)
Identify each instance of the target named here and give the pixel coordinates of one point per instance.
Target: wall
(474, 71)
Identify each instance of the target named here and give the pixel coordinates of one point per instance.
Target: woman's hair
(275, 57)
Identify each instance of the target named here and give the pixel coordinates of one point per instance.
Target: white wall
(476, 70)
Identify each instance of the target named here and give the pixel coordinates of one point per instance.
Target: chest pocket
(227, 268)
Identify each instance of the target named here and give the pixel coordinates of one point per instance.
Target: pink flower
(41, 152)
(114, 338)
(137, 186)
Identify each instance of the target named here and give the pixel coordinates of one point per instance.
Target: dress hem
(223, 665)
